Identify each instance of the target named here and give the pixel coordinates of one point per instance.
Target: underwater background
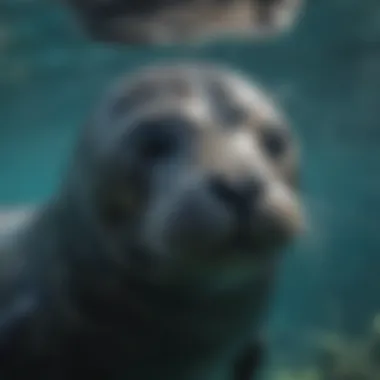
(325, 318)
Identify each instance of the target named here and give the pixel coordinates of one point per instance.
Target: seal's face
(156, 22)
(195, 164)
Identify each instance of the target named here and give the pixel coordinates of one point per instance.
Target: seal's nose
(241, 195)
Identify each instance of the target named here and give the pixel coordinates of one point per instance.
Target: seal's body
(157, 256)
(158, 22)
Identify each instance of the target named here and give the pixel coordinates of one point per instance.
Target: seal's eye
(159, 138)
(158, 145)
(275, 141)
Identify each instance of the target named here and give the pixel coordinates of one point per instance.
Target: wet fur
(157, 22)
(74, 304)
(65, 316)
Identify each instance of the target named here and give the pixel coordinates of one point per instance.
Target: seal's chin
(240, 246)
(214, 237)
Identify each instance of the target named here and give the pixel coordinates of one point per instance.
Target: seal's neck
(98, 282)
(106, 289)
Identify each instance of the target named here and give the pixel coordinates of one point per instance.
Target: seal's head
(191, 163)
(157, 22)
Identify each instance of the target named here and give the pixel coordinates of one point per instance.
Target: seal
(159, 22)
(157, 255)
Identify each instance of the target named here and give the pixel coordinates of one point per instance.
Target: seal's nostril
(222, 190)
(238, 194)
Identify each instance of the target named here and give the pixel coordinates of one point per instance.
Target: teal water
(327, 77)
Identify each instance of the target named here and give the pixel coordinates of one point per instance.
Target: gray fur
(154, 260)
(158, 22)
